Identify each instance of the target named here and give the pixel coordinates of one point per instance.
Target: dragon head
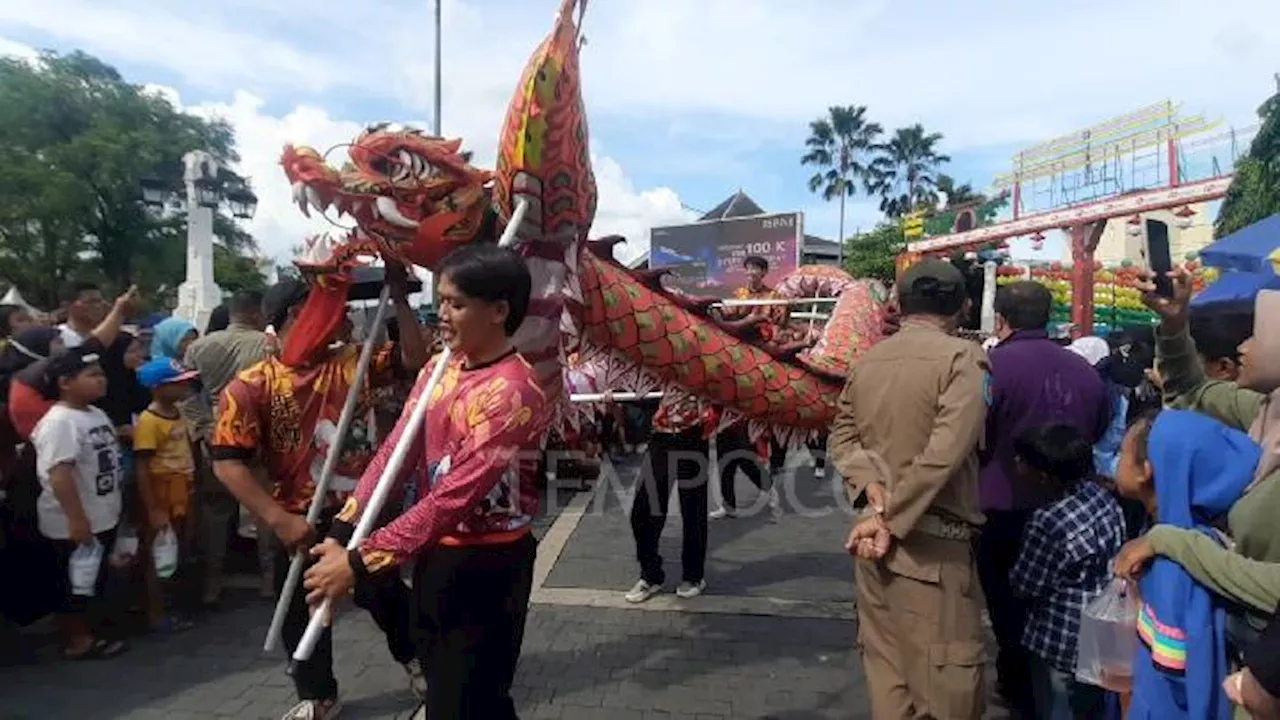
(416, 194)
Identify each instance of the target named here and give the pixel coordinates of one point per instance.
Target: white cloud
(987, 72)
(9, 48)
(279, 225)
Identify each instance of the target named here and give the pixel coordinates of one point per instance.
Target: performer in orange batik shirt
(777, 316)
(469, 530)
(287, 416)
(734, 447)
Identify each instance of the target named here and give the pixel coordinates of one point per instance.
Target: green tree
(905, 174)
(839, 145)
(957, 195)
(1255, 190)
(874, 254)
(77, 141)
(234, 272)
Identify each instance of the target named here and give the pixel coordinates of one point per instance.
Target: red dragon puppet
(416, 197)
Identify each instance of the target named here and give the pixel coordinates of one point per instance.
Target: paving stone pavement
(798, 557)
(578, 662)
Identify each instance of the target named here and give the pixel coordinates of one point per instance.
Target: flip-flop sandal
(99, 650)
(107, 649)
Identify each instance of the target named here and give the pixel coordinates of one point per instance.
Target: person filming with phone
(1248, 403)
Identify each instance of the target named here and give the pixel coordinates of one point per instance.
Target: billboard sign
(706, 258)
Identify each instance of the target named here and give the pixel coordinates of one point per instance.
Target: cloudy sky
(689, 100)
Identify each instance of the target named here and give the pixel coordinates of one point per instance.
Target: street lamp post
(206, 187)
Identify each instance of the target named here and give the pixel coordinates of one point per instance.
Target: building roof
(814, 245)
(736, 205)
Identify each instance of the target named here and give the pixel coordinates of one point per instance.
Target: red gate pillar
(1084, 241)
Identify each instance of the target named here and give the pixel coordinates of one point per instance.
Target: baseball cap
(163, 371)
(939, 274)
(65, 365)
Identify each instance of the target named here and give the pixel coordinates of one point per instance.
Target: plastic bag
(126, 547)
(165, 553)
(1108, 638)
(86, 563)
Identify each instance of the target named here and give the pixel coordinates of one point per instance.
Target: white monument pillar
(199, 294)
(989, 278)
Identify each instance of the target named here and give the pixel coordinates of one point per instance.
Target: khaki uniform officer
(906, 439)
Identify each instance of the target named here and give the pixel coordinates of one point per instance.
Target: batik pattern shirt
(288, 418)
(776, 315)
(1063, 566)
(478, 453)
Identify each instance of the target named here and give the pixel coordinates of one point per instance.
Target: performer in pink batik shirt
(469, 527)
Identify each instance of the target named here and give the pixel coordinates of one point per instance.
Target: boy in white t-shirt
(78, 462)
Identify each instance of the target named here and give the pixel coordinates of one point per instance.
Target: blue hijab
(168, 334)
(1201, 468)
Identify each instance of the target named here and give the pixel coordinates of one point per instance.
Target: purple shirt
(1034, 381)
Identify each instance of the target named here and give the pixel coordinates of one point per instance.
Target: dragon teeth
(313, 197)
(390, 212)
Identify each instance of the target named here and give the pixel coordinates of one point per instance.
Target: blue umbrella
(1236, 288)
(1254, 249)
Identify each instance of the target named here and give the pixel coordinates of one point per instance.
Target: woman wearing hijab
(171, 338)
(1250, 404)
(219, 319)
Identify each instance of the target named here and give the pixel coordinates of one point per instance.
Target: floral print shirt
(478, 452)
(288, 417)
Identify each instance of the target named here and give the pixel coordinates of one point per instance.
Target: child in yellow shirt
(165, 467)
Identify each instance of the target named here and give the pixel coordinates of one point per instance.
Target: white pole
(428, 287)
(989, 279)
(439, 71)
(326, 473)
(616, 397)
(760, 303)
(315, 626)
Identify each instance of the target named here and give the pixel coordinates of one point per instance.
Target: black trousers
(736, 451)
(998, 547)
(679, 458)
(777, 457)
(387, 600)
(472, 603)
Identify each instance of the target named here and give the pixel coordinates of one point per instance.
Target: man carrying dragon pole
(284, 411)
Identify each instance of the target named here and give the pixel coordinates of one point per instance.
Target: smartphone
(1159, 259)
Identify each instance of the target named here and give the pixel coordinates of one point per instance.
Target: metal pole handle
(326, 474)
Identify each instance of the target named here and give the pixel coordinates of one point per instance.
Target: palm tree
(957, 194)
(839, 145)
(905, 175)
